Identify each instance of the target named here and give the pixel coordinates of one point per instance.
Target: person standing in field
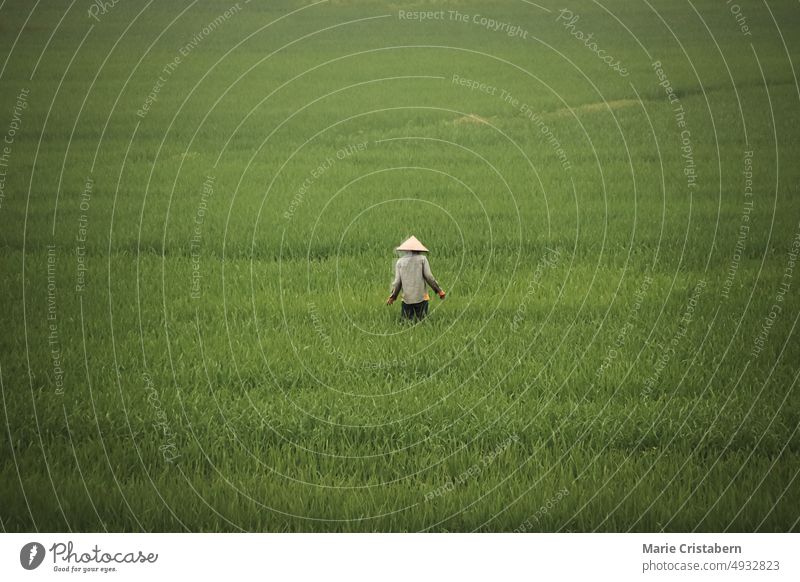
(411, 272)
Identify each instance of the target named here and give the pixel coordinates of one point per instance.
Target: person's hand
(390, 300)
(441, 294)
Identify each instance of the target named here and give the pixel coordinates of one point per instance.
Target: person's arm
(429, 278)
(396, 284)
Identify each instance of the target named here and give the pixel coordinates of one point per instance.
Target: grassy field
(199, 206)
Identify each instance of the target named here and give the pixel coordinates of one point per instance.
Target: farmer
(411, 272)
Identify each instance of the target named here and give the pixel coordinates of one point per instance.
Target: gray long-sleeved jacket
(411, 272)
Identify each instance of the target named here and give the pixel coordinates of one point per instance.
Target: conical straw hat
(412, 244)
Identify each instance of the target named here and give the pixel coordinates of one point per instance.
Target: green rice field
(199, 205)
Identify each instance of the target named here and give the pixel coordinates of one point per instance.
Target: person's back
(411, 273)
